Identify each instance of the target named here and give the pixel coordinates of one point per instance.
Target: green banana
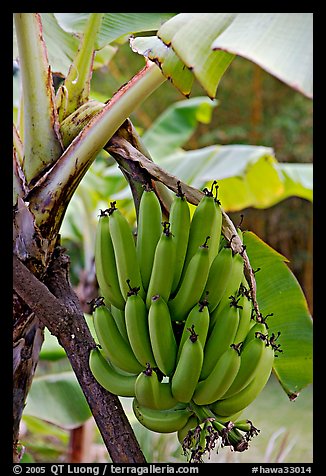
(246, 396)
(148, 233)
(163, 266)
(226, 322)
(109, 378)
(124, 251)
(192, 285)
(219, 380)
(236, 277)
(199, 318)
(105, 265)
(162, 337)
(137, 328)
(259, 328)
(232, 286)
(151, 393)
(114, 346)
(206, 221)
(161, 421)
(250, 356)
(219, 274)
(189, 427)
(187, 372)
(245, 313)
(180, 225)
(119, 317)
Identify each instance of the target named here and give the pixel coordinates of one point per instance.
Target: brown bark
(57, 307)
(26, 349)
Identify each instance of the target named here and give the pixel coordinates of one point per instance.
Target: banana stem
(42, 146)
(77, 82)
(56, 188)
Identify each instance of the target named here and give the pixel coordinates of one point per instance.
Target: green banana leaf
(247, 175)
(281, 43)
(58, 399)
(171, 65)
(279, 292)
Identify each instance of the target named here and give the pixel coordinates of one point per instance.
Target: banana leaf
(58, 399)
(247, 175)
(279, 293)
(207, 43)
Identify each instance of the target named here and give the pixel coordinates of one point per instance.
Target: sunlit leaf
(281, 43)
(172, 67)
(207, 43)
(279, 292)
(297, 176)
(247, 175)
(192, 42)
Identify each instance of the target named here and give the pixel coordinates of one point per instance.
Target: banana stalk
(42, 144)
(75, 90)
(55, 189)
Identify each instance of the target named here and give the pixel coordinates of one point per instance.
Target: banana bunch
(175, 323)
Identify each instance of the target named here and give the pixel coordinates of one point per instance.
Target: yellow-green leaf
(279, 293)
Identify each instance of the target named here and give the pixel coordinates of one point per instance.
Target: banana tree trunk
(28, 340)
(56, 306)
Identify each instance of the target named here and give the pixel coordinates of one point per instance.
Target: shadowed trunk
(56, 305)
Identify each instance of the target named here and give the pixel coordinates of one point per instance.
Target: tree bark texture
(57, 307)
(28, 340)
